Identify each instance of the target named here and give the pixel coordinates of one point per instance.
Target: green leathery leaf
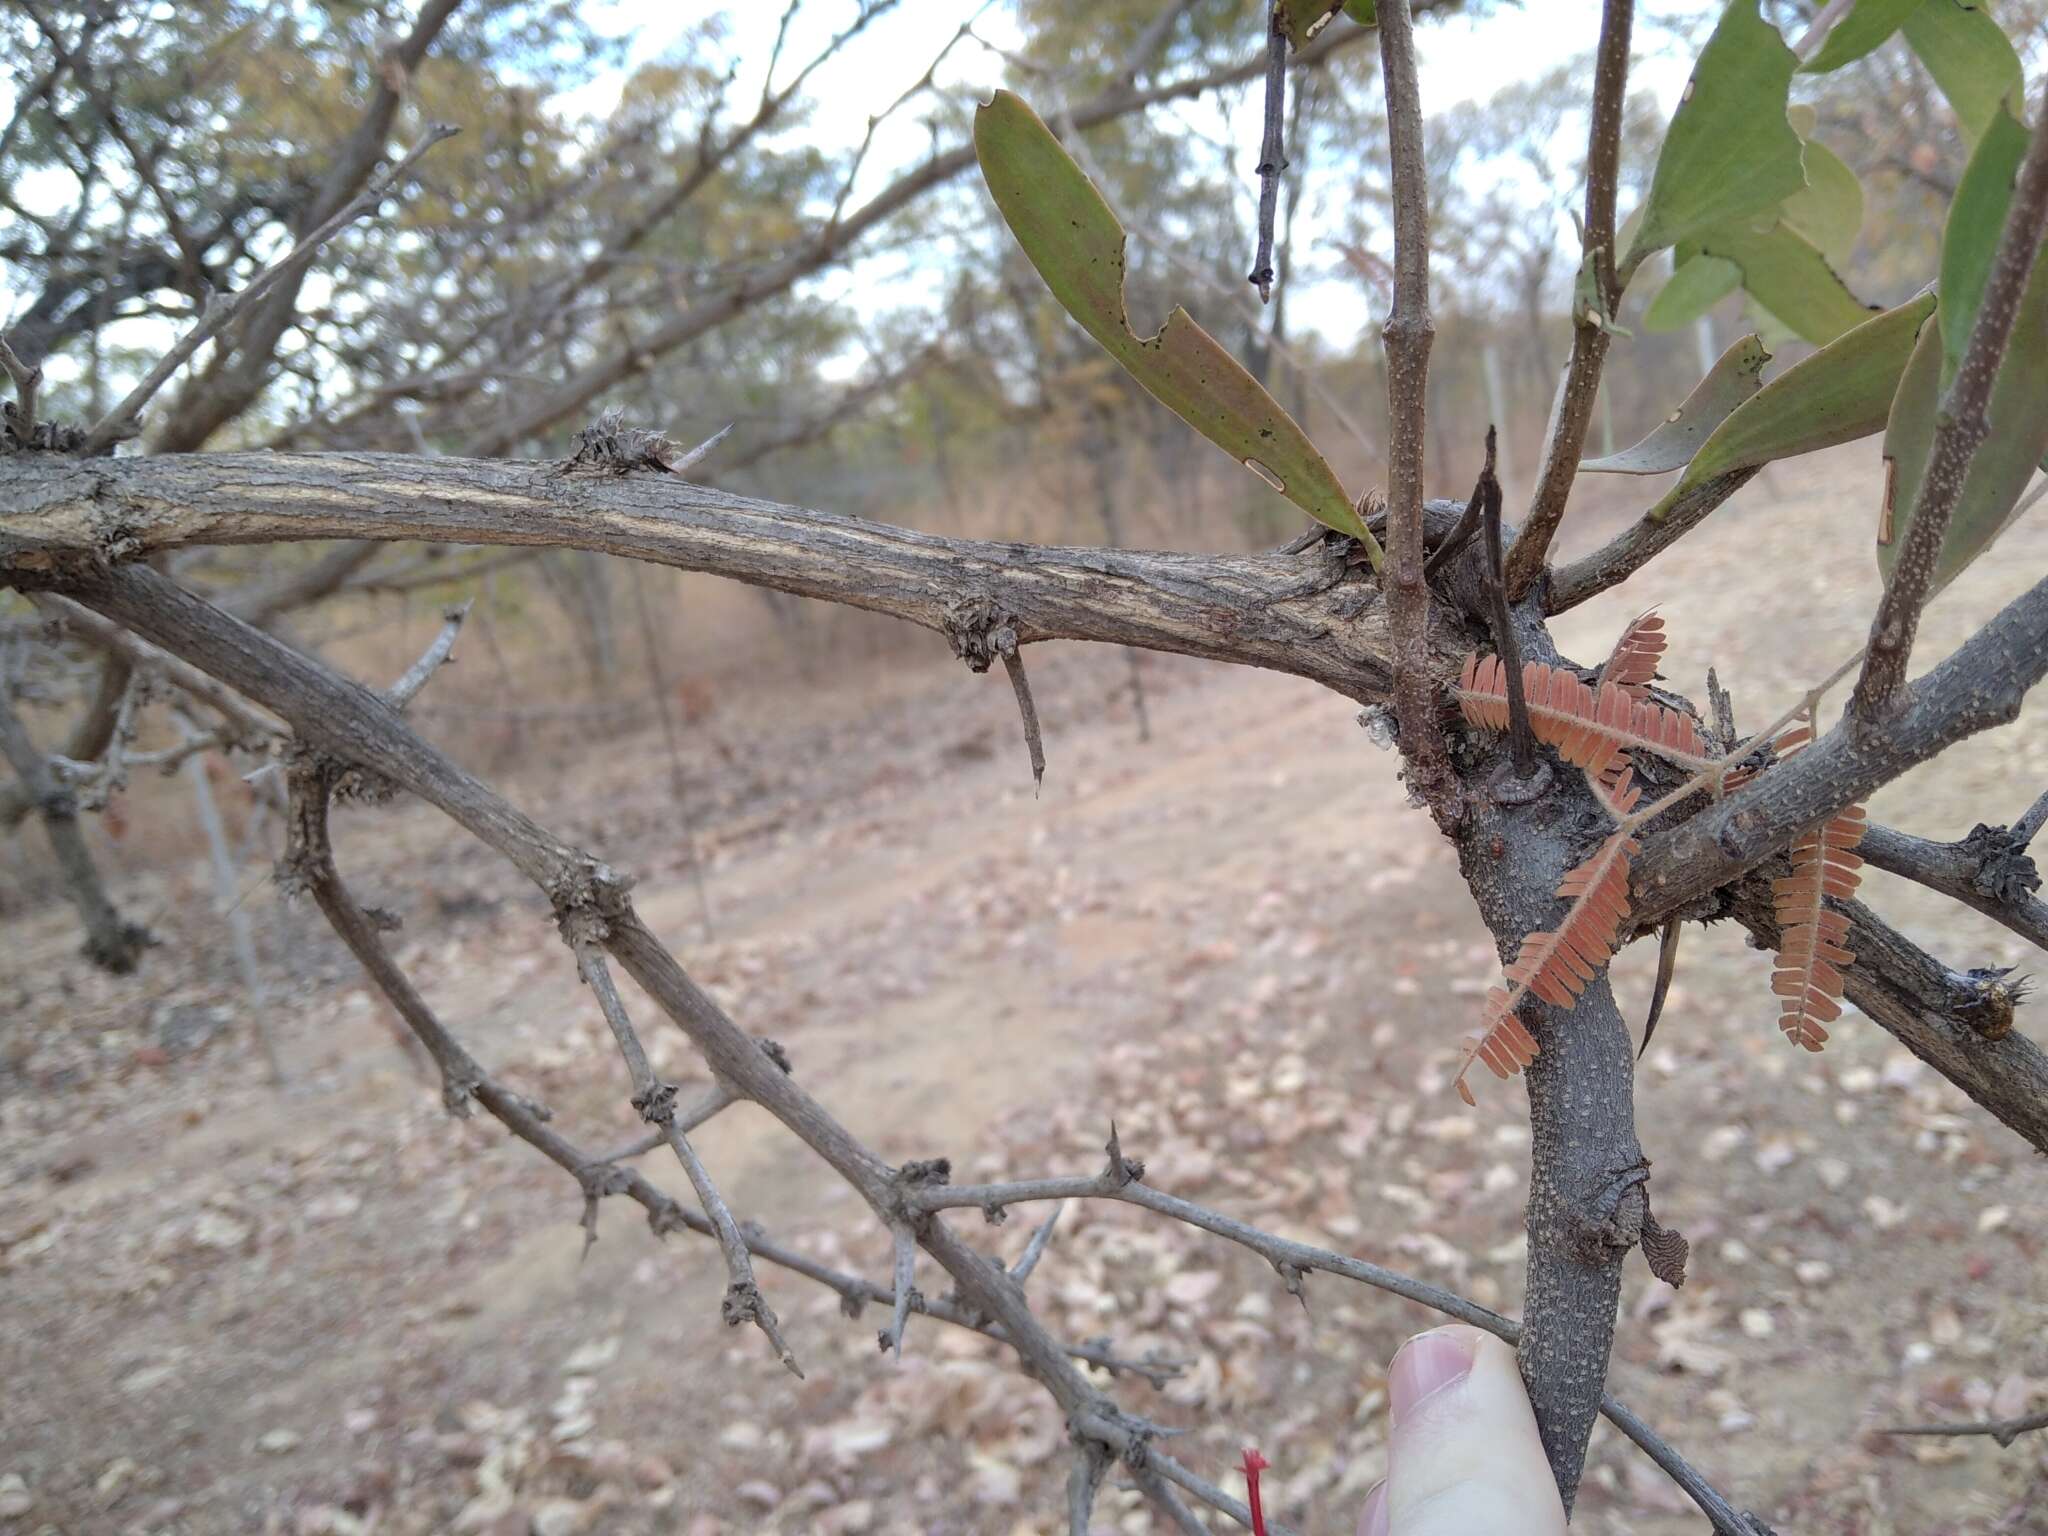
(1695, 287)
(1783, 272)
(1729, 153)
(2005, 461)
(1842, 392)
(1828, 210)
(1976, 222)
(1679, 436)
(1969, 56)
(1862, 31)
(1304, 19)
(1075, 242)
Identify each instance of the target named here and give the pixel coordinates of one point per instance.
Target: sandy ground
(333, 1308)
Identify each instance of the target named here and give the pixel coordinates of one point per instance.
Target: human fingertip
(1427, 1364)
(1372, 1520)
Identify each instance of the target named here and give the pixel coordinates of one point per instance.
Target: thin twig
(28, 383)
(119, 423)
(1961, 426)
(903, 1274)
(2024, 829)
(655, 1100)
(1035, 1249)
(1292, 1260)
(1027, 707)
(407, 688)
(1409, 332)
(1591, 315)
(2004, 1431)
(1084, 1480)
(719, 1098)
(1521, 737)
(1272, 152)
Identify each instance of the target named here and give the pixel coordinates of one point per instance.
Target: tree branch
(1961, 427)
(2004, 1431)
(1309, 616)
(1593, 305)
(1409, 332)
(1980, 686)
(1272, 152)
(110, 942)
(1987, 871)
(120, 422)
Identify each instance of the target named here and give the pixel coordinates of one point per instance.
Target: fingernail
(1372, 1521)
(1427, 1363)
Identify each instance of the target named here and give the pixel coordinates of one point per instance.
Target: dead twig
(1272, 152)
(655, 1100)
(120, 422)
(28, 383)
(1027, 707)
(2004, 1431)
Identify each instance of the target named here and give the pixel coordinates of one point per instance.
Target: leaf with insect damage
(1829, 210)
(1075, 242)
(1730, 153)
(1842, 392)
(1556, 966)
(1862, 31)
(1785, 274)
(1969, 56)
(1695, 286)
(1672, 444)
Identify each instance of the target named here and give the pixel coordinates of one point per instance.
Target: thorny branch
(1962, 425)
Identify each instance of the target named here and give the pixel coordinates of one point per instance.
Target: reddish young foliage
(1557, 965)
(1588, 729)
(1811, 956)
(1636, 654)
